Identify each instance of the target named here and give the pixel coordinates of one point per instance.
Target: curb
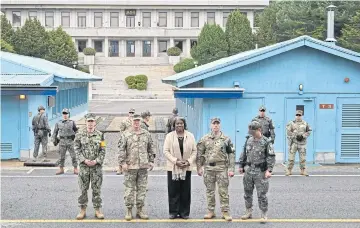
(126, 113)
(143, 99)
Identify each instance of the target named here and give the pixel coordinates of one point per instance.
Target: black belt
(66, 137)
(254, 165)
(216, 163)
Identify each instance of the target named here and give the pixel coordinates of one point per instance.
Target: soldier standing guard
(170, 123)
(145, 120)
(216, 152)
(298, 131)
(125, 125)
(136, 157)
(259, 156)
(66, 129)
(90, 149)
(267, 125)
(41, 129)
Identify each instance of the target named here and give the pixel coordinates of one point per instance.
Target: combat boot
(304, 173)
(61, 171)
(248, 214)
(226, 216)
(210, 215)
(128, 215)
(288, 172)
(141, 214)
(98, 214)
(76, 171)
(82, 214)
(263, 218)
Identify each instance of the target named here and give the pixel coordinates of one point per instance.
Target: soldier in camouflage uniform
(41, 129)
(90, 150)
(259, 156)
(66, 129)
(216, 152)
(125, 125)
(136, 157)
(145, 125)
(170, 123)
(298, 131)
(267, 125)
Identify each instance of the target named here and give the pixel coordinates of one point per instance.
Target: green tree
(351, 34)
(31, 39)
(266, 31)
(211, 45)
(5, 46)
(61, 48)
(238, 33)
(7, 32)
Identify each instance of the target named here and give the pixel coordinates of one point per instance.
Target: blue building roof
(24, 66)
(248, 57)
(26, 80)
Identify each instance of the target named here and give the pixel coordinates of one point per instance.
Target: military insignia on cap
(90, 116)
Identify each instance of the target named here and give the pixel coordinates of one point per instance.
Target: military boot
(210, 215)
(98, 214)
(248, 214)
(226, 216)
(304, 173)
(263, 218)
(76, 171)
(82, 214)
(128, 215)
(141, 214)
(61, 171)
(288, 172)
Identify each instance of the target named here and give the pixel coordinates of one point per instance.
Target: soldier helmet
(137, 117)
(215, 119)
(254, 125)
(65, 111)
(41, 108)
(90, 116)
(299, 112)
(175, 111)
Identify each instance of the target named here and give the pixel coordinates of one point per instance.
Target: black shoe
(172, 217)
(184, 216)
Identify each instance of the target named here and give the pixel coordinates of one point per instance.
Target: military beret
(299, 112)
(65, 110)
(137, 117)
(90, 116)
(254, 125)
(215, 119)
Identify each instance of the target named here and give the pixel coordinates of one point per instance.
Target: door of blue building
(307, 105)
(348, 130)
(114, 48)
(246, 110)
(10, 127)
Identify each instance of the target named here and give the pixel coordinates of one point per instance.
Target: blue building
(306, 74)
(28, 82)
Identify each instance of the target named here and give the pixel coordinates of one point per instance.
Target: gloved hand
(299, 137)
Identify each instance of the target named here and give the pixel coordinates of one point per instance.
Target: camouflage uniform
(217, 154)
(170, 123)
(267, 125)
(41, 129)
(259, 156)
(145, 126)
(66, 130)
(297, 133)
(135, 150)
(90, 146)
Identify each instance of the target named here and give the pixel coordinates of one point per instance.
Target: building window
(301, 108)
(33, 15)
(65, 19)
(98, 44)
(98, 19)
(178, 19)
(147, 48)
(146, 19)
(162, 19)
(179, 44)
(162, 46)
(130, 21)
(194, 19)
(114, 19)
(114, 48)
(244, 13)
(225, 18)
(81, 45)
(82, 20)
(193, 43)
(130, 48)
(49, 19)
(16, 18)
(211, 18)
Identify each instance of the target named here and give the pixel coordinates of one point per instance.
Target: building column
(138, 48)
(122, 48)
(171, 43)
(106, 47)
(89, 43)
(250, 17)
(188, 48)
(156, 48)
(90, 85)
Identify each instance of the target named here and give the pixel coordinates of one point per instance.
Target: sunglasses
(91, 121)
(262, 110)
(65, 113)
(298, 115)
(131, 112)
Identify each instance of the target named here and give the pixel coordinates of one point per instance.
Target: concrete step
(137, 95)
(116, 61)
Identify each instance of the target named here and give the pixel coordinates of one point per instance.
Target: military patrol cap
(65, 110)
(254, 125)
(90, 116)
(137, 117)
(41, 108)
(145, 114)
(299, 112)
(132, 110)
(215, 119)
(262, 107)
(175, 111)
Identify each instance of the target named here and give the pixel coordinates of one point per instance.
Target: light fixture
(236, 85)
(22, 97)
(195, 63)
(301, 87)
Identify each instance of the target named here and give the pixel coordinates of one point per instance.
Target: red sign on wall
(326, 106)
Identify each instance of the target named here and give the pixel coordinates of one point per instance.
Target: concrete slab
(31, 162)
